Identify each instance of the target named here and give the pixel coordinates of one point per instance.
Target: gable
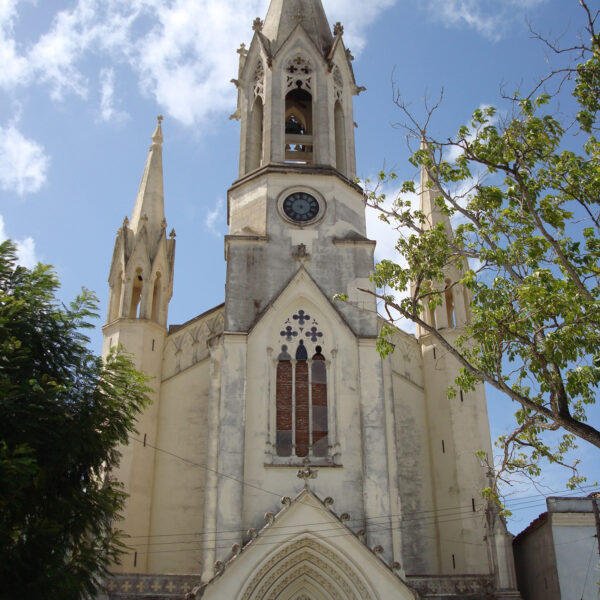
(299, 292)
(305, 551)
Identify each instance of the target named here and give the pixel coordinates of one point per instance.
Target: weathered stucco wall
(536, 564)
(178, 500)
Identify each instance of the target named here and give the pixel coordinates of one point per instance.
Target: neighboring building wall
(557, 555)
(575, 547)
(536, 563)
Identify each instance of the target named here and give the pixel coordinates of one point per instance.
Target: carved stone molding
(306, 558)
(125, 587)
(190, 345)
(299, 74)
(462, 586)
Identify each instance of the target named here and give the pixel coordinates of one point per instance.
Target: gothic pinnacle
(157, 136)
(149, 205)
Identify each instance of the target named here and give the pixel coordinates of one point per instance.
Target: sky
(82, 81)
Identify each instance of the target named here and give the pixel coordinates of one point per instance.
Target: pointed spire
(284, 16)
(429, 192)
(149, 206)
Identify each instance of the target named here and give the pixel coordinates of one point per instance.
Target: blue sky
(82, 81)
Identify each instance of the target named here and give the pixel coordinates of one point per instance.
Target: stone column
(231, 442)
(376, 484)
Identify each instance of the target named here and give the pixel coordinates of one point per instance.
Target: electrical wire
(418, 515)
(438, 518)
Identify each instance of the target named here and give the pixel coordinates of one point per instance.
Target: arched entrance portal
(307, 569)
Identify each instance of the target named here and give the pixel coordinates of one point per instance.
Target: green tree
(522, 188)
(63, 414)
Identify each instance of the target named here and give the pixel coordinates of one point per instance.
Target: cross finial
(307, 473)
(160, 119)
(299, 16)
(258, 24)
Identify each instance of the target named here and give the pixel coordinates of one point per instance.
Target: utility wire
(588, 570)
(466, 509)
(397, 523)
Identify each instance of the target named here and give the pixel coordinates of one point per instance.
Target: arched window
(301, 388)
(117, 292)
(254, 149)
(284, 401)
(320, 428)
(156, 298)
(340, 139)
(301, 404)
(430, 318)
(449, 297)
(136, 295)
(298, 126)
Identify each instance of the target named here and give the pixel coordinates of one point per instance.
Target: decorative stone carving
(338, 29)
(338, 84)
(456, 585)
(126, 587)
(299, 74)
(328, 501)
(282, 569)
(257, 24)
(219, 566)
(286, 501)
(270, 518)
(300, 253)
(189, 345)
(259, 81)
(378, 550)
(344, 517)
(307, 473)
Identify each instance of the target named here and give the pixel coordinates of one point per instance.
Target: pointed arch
(136, 294)
(449, 300)
(306, 566)
(255, 136)
(341, 163)
(116, 293)
(157, 298)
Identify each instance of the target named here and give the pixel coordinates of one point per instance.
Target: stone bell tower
(297, 160)
(141, 286)
(295, 211)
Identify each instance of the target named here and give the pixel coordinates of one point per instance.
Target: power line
(588, 571)
(466, 509)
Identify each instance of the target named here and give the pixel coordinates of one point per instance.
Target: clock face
(301, 207)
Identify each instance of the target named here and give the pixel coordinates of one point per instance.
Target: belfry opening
(298, 126)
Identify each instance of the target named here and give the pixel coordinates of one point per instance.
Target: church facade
(282, 457)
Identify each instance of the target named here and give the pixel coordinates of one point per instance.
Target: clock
(301, 207)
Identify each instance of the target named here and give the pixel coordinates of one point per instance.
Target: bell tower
(295, 92)
(297, 161)
(295, 213)
(141, 286)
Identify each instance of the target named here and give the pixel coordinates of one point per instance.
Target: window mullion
(293, 407)
(310, 410)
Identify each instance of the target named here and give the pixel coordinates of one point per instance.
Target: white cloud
(26, 255)
(490, 19)
(108, 111)
(23, 162)
(183, 51)
(14, 67)
(215, 218)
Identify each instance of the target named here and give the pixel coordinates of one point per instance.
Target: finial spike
(157, 136)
